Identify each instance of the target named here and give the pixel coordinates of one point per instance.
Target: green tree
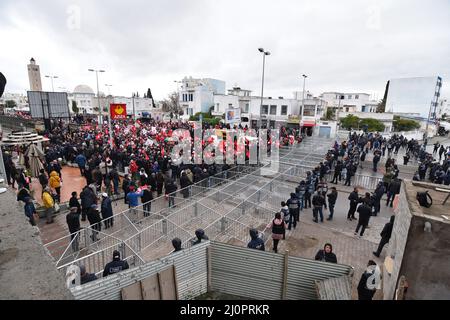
(405, 124)
(75, 107)
(372, 125)
(10, 104)
(353, 122)
(350, 122)
(330, 114)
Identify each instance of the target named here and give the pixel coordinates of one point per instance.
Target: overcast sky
(341, 45)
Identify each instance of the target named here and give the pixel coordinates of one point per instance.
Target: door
(272, 124)
(324, 132)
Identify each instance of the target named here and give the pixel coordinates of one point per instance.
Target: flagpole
(110, 130)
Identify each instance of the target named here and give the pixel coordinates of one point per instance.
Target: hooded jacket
(327, 257)
(54, 181)
(256, 242)
(47, 200)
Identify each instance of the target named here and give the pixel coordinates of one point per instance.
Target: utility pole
(303, 99)
(100, 111)
(264, 53)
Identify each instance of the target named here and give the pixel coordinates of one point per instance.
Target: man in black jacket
(326, 254)
(73, 202)
(318, 201)
(146, 199)
(354, 200)
(377, 195)
(86, 277)
(366, 288)
(256, 242)
(337, 172)
(365, 212)
(332, 197)
(394, 188)
(116, 265)
(95, 221)
(171, 189)
(88, 198)
(294, 210)
(73, 222)
(184, 184)
(43, 179)
(385, 236)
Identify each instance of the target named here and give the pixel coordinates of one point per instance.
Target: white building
(414, 95)
(196, 95)
(84, 96)
(141, 107)
(350, 102)
(20, 100)
(34, 76)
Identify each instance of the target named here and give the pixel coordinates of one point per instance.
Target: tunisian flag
(118, 111)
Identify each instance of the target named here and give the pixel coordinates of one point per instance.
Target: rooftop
(437, 211)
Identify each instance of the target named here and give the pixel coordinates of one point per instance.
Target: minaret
(34, 76)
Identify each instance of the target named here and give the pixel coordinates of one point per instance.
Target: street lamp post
(264, 54)
(51, 78)
(100, 111)
(303, 99)
(98, 95)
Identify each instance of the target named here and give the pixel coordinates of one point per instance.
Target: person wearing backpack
(278, 227)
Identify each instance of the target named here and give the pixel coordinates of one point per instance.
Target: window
(273, 110)
(230, 105)
(191, 97)
(309, 111)
(349, 96)
(356, 96)
(283, 110)
(217, 107)
(246, 108)
(264, 109)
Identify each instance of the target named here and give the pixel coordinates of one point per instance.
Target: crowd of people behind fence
(143, 150)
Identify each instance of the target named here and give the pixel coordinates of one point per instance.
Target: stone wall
(397, 244)
(27, 272)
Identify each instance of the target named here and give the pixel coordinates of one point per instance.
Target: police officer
(294, 210)
(116, 265)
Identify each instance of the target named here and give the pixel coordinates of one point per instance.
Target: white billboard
(413, 95)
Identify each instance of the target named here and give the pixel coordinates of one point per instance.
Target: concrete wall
(426, 261)
(397, 245)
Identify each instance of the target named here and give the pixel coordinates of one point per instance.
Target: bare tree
(171, 104)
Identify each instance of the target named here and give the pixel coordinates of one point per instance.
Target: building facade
(197, 95)
(84, 97)
(350, 102)
(34, 76)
